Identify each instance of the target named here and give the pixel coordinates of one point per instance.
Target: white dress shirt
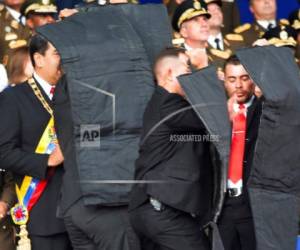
(265, 23)
(45, 85)
(212, 41)
(247, 105)
(16, 15)
(3, 78)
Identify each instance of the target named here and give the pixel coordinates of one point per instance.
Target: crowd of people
(164, 215)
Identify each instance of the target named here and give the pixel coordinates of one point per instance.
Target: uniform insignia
(234, 37)
(242, 28)
(1, 7)
(284, 22)
(219, 53)
(10, 36)
(14, 24)
(7, 29)
(178, 42)
(283, 35)
(261, 33)
(17, 44)
(197, 5)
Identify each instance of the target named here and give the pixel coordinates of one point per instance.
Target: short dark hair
(168, 52)
(233, 60)
(38, 44)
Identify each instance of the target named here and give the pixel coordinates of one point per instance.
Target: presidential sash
(31, 188)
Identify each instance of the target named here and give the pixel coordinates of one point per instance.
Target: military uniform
(12, 34)
(231, 15)
(7, 194)
(231, 42)
(254, 31)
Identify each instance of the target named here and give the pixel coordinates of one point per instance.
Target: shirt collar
(265, 23)
(247, 105)
(189, 48)
(212, 42)
(44, 84)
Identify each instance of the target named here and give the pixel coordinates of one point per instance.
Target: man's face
(263, 9)
(216, 19)
(49, 65)
(36, 20)
(238, 82)
(13, 3)
(195, 29)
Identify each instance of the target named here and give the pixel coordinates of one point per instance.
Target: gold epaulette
(222, 54)
(242, 28)
(1, 7)
(17, 44)
(284, 22)
(234, 37)
(178, 42)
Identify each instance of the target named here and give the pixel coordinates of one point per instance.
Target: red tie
(52, 90)
(235, 173)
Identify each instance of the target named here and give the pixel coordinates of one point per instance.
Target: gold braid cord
(39, 95)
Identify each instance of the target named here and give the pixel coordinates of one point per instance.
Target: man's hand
(198, 58)
(3, 209)
(67, 12)
(56, 157)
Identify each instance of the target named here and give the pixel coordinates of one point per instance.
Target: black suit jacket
(253, 119)
(182, 169)
(23, 121)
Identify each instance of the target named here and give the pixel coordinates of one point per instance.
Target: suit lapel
(252, 111)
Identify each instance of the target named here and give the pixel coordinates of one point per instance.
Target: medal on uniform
(14, 24)
(10, 36)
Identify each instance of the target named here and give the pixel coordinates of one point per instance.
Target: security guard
(39, 12)
(7, 200)
(13, 32)
(264, 13)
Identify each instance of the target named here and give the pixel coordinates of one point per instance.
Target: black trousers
(54, 242)
(236, 224)
(169, 229)
(100, 228)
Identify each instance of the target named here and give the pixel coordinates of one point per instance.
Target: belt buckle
(234, 192)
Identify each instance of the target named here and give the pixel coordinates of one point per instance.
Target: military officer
(13, 32)
(294, 20)
(264, 12)
(39, 12)
(7, 200)
(220, 45)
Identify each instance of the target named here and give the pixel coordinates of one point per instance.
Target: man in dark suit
(26, 111)
(7, 200)
(173, 197)
(236, 223)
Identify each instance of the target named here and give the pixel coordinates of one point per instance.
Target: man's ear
(29, 23)
(183, 31)
(39, 60)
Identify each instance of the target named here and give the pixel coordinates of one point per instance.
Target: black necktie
(217, 41)
(270, 26)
